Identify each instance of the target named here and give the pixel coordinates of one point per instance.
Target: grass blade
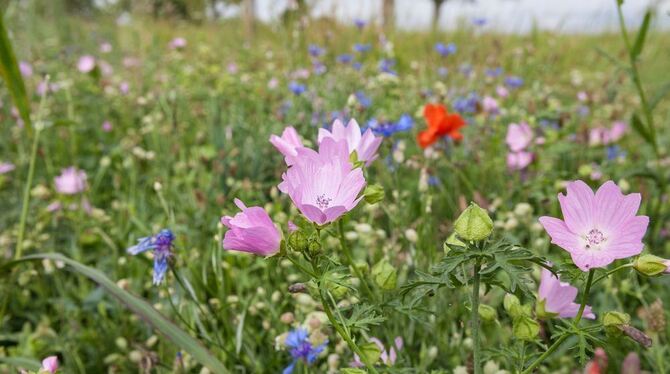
(641, 36)
(9, 69)
(22, 362)
(139, 307)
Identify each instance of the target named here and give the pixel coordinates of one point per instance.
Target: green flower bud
(452, 240)
(337, 290)
(487, 313)
(514, 308)
(373, 194)
(525, 328)
(614, 322)
(474, 224)
(314, 247)
(650, 265)
(541, 311)
(371, 352)
(385, 275)
(298, 241)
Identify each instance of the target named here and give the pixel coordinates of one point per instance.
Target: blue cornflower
(360, 23)
(479, 21)
(362, 99)
(467, 104)
(445, 49)
(161, 244)
(362, 48)
(386, 65)
(494, 73)
(514, 81)
(301, 348)
(319, 68)
(315, 51)
(297, 88)
(357, 65)
(389, 128)
(345, 58)
(614, 152)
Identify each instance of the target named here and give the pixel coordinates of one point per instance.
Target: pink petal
(578, 207)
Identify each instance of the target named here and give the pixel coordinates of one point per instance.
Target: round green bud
(384, 275)
(298, 241)
(487, 313)
(525, 328)
(474, 224)
(614, 322)
(650, 265)
(373, 194)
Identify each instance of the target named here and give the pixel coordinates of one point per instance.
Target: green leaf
(352, 371)
(660, 94)
(140, 307)
(641, 129)
(363, 316)
(641, 35)
(22, 362)
(9, 69)
(514, 261)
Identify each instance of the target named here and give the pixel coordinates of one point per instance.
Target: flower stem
(625, 266)
(475, 320)
(580, 313)
(350, 259)
(26, 195)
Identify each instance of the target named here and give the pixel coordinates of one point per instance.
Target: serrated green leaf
(140, 307)
(363, 316)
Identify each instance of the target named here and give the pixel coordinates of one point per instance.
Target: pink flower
(604, 136)
(6, 167)
(598, 228)
(26, 69)
(178, 43)
(287, 144)
(582, 96)
(50, 364)
(558, 297)
(251, 231)
(107, 126)
(105, 47)
(124, 87)
(323, 185)
(365, 145)
(387, 357)
(519, 137)
(502, 91)
(86, 63)
(490, 105)
(519, 160)
(71, 181)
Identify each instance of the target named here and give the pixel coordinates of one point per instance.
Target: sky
(514, 16)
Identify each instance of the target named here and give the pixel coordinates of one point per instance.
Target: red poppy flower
(440, 123)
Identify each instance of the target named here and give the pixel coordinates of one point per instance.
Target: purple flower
(490, 105)
(362, 48)
(388, 358)
(107, 126)
(442, 71)
(494, 73)
(177, 43)
(445, 50)
(71, 181)
(344, 58)
(360, 23)
(519, 160)
(86, 63)
(324, 185)
(251, 231)
(514, 81)
(287, 144)
(50, 364)
(162, 246)
(362, 99)
(386, 66)
(557, 298)
(297, 88)
(479, 21)
(6, 167)
(467, 104)
(364, 145)
(597, 228)
(315, 51)
(26, 69)
(387, 129)
(302, 349)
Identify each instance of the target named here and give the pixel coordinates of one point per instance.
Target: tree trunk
(388, 14)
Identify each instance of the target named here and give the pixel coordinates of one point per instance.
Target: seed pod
(637, 335)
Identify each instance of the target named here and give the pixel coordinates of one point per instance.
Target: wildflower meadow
(187, 192)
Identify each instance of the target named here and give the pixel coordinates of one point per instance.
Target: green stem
(475, 320)
(557, 343)
(585, 297)
(350, 259)
(352, 345)
(301, 267)
(626, 266)
(26, 194)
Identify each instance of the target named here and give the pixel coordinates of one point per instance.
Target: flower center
(322, 201)
(594, 237)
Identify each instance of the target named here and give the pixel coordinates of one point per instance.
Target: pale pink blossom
(71, 181)
(519, 160)
(25, 69)
(50, 364)
(178, 43)
(558, 297)
(502, 91)
(519, 136)
(86, 63)
(387, 357)
(252, 231)
(324, 185)
(6, 167)
(490, 105)
(287, 144)
(364, 145)
(599, 227)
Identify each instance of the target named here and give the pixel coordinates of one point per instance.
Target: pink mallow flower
(605, 136)
(86, 63)
(50, 364)
(71, 181)
(597, 228)
(324, 185)
(490, 105)
(558, 297)
(6, 167)
(178, 43)
(519, 160)
(26, 69)
(251, 231)
(365, 145)
(287, 144)
(519, 136)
